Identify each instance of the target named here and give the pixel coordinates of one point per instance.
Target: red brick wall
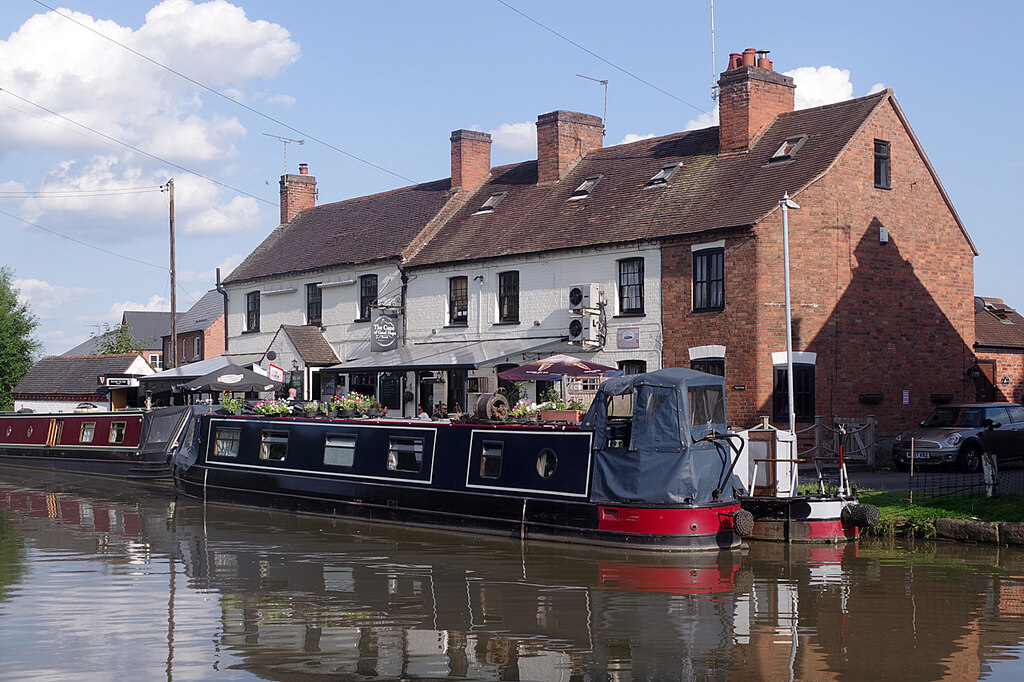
(749, 99)
(881, 318)
(298, 193)
(213, 339)
(1011, 366)
(564, 137)
(471, 158)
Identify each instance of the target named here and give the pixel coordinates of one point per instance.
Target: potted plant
(346, 405)
(560, 410)
(272, 408)
(525, 410)
(311, 408)
(231, 405)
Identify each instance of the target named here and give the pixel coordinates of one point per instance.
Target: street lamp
(786, 203)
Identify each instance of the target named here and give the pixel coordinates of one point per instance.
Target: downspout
(405, 332)
(222, 292)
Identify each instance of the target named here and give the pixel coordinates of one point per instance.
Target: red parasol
(557, 366)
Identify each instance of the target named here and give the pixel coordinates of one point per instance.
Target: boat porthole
(546, 463)
(29, 432)
(8, 430)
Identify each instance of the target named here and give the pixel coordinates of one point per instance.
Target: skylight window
(661, 177)
(490, 204)
(788, 149)
(1000, 311)
(584, 190)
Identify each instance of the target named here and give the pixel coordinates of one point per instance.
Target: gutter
(224, 293)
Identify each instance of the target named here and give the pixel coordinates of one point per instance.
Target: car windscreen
(955, 416)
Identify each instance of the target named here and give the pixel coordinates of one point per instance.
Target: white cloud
(44, 298)
(209, 277)
(877, 87)
(155, 303)
(239, 214)
(634, 137)
(708, 119)
(515, 137)
(100, 85)
(816, 86)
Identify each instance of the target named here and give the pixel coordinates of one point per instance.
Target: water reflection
(193, 592)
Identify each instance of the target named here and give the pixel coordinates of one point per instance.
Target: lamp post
(786, 203)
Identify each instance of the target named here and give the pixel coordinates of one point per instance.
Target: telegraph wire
(229, 99)
(596, 56)
(80, 193)
(137, 150)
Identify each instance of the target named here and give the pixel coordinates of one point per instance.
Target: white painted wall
(55, 406)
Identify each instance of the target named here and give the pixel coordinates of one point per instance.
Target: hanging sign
(627, 337)
(275, 373)
(384, 331)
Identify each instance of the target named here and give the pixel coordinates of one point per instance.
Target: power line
(136, 149)
(229, 99)
(597, 56)
(79, 193)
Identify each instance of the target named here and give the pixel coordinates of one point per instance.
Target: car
(957, 436)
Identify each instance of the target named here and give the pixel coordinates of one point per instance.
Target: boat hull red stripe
(824, 530)
(666, 521)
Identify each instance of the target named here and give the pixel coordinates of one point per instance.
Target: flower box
(561, 415)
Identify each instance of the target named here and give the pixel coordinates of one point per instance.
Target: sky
(102, 102)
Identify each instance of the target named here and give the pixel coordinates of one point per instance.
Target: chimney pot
(749, 100)
(298, 193)
(303, 169)
(734, 61)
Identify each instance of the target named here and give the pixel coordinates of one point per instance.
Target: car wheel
(970, 459)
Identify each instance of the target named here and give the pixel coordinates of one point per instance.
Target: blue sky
(386, 83)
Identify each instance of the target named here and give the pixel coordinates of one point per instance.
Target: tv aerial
(285, 140)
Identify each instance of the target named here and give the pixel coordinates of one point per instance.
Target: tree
(18, 349)
(118, 339)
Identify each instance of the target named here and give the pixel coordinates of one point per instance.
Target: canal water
(103, 580)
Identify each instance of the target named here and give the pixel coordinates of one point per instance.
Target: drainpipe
(222, 292)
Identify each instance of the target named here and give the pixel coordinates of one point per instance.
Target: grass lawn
(899, 516)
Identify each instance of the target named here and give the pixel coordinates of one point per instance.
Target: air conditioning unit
(585, 328)
(583, 297)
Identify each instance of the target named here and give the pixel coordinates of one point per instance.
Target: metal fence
(1005, 477)
(856, 435)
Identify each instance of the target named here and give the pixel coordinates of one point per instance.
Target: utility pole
(174, 297)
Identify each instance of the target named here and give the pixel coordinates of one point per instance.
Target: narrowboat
(827, 512)
(642, 470)
(133, 444)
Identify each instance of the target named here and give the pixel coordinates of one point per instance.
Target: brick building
(201, 333)
(678, 242)
(999, 346)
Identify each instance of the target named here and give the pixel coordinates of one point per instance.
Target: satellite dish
(271, 355)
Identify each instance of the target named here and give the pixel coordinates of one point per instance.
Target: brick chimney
(750, 96)
(298, 193)
(471, 158)
(563, 138)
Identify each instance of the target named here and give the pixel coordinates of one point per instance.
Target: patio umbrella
(557, 366)
(232, 378)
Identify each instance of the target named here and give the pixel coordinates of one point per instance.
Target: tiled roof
(997, 324)
(360, 230)
(311, 345)
(72, 375)
(148, 326)
(706, 192)
(201, 315)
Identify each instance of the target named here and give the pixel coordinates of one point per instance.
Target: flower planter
(345, 414)
(561, 415)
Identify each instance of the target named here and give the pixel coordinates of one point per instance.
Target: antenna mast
(285, 140)
(604, 118)
(714, 86)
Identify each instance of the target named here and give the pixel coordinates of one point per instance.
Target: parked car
(957, 435)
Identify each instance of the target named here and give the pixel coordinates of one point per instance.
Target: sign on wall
(384, 331)
(276, 373)
(627, 337)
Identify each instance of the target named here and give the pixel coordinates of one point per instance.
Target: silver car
(957, 435)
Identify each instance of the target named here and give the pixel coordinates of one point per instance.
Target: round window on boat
(29, 431)
(8, 430)
(546, 463)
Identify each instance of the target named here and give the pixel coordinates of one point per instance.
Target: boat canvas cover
(161, 427)
(187, 451)
(664, 462)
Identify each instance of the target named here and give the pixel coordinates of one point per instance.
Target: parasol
(557, 366)
(232, 378)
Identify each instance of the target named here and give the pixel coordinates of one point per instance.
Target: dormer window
(491, 203)
(584, 190)
(661, 177)
(788, 149)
